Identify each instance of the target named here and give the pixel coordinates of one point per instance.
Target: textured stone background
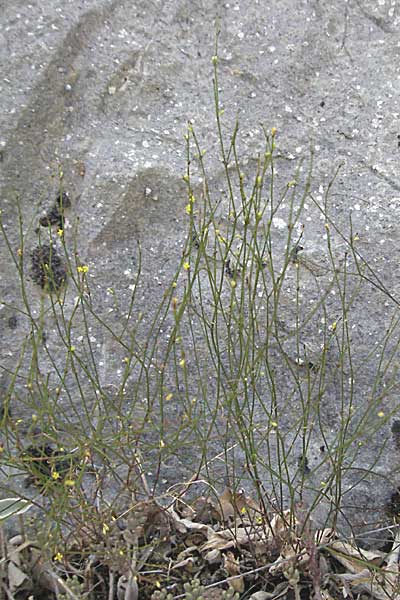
(111, 86)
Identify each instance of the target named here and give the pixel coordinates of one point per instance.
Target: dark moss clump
(48, 270)
(393, 504)
(13, 322)
(55, 215)
(52, 217)
(62, 200)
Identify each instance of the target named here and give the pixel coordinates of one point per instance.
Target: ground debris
(161, 551)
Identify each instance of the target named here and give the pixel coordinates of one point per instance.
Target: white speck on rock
(279, 223)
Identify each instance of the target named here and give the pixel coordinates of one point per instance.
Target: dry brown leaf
(380, 583)
(353, 558)
(246, 506)
(184, 510)
(41, 571)
(213, 557)
(184, 525)
(241, 534)
(323, 536)
(186, 552)
(187, 562)
(282, 525)
(203, 510)
(127, 588)
(218, 541)
(18, 581)
(232, 567)
(325, 595)
(224, 507)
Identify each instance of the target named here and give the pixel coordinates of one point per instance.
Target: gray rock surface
(104, 91)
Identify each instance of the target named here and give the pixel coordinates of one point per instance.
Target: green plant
(247, 340)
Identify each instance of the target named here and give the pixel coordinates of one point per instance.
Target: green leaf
(13, 506)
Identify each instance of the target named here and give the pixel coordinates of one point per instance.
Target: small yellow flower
(58, 557)
(105, 528)
(259, 181)
(333, 326)
(274, 424)
(72, 349)
(60, 232)
(162, 444)
(174, 284)
(69, 483)
(233, 284)
(186, 266)
(34, 418)
(274, 131)
(327, 226)
(83, 269)
(19, 251)
(214, 60)
(381, 414)
(55, 475)
(243, 510)
(169, 396)
(182, 363)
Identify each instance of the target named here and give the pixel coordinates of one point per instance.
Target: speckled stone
(103, 91)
